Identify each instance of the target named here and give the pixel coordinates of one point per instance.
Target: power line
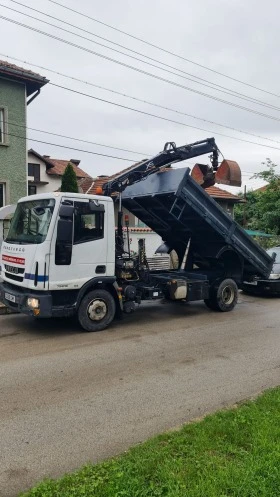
(162, 49)
(138, 99)
(208, 85)
(74, 139)
(86, 141)
(82, 150)
(70, 148)
(159, 117)
(245, 97)
(137, 69)
(87, 151)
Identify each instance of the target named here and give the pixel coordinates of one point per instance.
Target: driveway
(69, 397)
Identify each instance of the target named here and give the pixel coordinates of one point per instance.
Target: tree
(245, 212)
(269, 175)
(69, 180)
(262, 208)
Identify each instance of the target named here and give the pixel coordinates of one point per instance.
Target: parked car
(270, 286)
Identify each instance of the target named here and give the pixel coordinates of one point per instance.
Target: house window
(88, 225)
(32, 189)
(3, 125)
(2, 194)
(34, 171)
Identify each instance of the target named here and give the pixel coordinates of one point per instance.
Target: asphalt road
(69, 397)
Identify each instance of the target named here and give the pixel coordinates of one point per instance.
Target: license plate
(10, 297)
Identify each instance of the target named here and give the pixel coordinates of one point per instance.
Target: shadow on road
(147, 313)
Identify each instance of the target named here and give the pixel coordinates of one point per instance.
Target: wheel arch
(232, 264)
(108, 283)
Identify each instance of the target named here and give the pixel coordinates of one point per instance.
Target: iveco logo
(13, 249)
(11, 269)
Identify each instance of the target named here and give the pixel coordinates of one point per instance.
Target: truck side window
(88, 226)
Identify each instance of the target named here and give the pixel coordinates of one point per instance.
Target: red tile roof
(58, 166)
(33, 80)
(134, 229)
(261, 189)
(100, 181)
(85, 184)
(216, 192)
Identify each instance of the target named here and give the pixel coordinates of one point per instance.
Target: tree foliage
(261, 211)
(69, 180)
(269, 174)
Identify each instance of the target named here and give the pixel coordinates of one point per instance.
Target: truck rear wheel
(223, 296)
(97, 310)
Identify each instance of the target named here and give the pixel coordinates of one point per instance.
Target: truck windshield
(31, 222)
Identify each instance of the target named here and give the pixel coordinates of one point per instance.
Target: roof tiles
(5, 65)
(216, 192)
(58, 166)
(32, 80)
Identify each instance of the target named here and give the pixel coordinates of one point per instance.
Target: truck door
(88, 257)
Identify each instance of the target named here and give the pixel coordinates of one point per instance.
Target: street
(69, 397)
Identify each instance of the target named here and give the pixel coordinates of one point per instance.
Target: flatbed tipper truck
(64, 257)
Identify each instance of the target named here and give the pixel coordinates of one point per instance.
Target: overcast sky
(237, 38)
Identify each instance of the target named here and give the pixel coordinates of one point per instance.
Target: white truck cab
(57, 244)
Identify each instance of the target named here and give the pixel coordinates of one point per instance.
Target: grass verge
(231, 453)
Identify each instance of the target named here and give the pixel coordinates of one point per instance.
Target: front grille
(14, 277)
(14, 269)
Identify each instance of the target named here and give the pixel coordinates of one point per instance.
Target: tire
(97, 310)
(223, 296)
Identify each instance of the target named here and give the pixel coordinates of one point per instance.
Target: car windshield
(275, 250)
(31, 222)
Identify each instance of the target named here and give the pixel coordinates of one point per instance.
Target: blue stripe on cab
(41, 278)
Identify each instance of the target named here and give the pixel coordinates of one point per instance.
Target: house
(44, 173)
(18, 88)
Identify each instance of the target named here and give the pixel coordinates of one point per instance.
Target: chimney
(46, 156)
(75, 161)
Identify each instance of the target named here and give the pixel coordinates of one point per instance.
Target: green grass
(232, 453)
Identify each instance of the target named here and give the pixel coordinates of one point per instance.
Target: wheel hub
(227, 295)
(97, 310)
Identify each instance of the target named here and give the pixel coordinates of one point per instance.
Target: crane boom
(168, 156)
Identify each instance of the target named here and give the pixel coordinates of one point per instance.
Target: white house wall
(54, 182)
(152, 242)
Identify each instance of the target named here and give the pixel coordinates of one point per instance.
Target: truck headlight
(274, 276)
(33, 303)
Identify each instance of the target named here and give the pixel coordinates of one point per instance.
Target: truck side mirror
(66, 211)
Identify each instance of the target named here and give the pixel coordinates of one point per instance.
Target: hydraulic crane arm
(168, 156)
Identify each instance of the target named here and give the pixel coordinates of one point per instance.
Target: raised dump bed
(179, 210)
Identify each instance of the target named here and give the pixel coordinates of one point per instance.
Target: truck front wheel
(97, 310)
(223, 296)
